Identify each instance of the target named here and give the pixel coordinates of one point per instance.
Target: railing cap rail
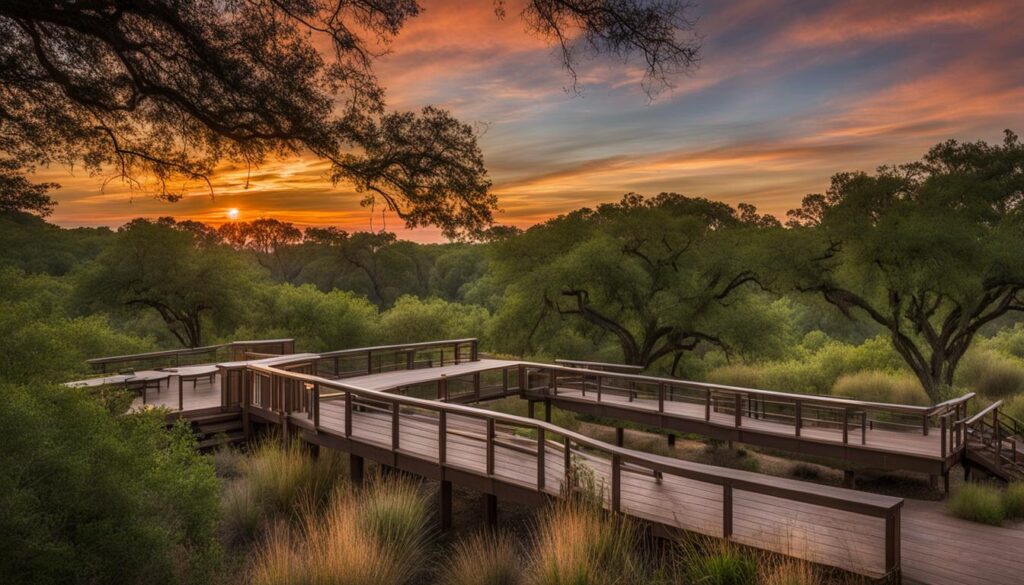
(981, 414)
(181, 351)
(399, 346)
(850, 500)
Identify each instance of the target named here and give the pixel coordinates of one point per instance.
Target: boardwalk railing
(816, 523)
(799, 411)
(997, 437)
(235, 350)
(348, 363)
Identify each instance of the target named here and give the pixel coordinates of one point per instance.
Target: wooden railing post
(864, 427)
(348, 414)
(599, 385)
(726, 510)
(661, 398)
(738, 409)
(442, 388)
(522, 379)
(707, 404)
(892, 541)
(442, 437)
(490, 446)
(924, 424)
(541, 448)
(395, 423)
(846, 426)
(567, 455)
(943, 424)
(455, 354)
(474, 348)
(369, 362)
(616, 482)
(553, 382)
(797, 421)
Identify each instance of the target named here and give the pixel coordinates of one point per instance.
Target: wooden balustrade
(348, 363)
(290, 393)
(192, 355)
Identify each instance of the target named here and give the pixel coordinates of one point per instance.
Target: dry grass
(785, 571)
(578, 544)
(874, 386)
(372, 537)
(485, 558)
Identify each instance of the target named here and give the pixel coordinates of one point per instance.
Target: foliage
(873, 386)
(713, 562)
(1013, 501)
(924, 250)
(38, 338)
(31, 244)
(19, 195)
(578, 543)
(373, 537)
(94, 498)
(652, 275)
(484, 558)
(412, 319)
(991, 374)
(155, 267)
(978, 503)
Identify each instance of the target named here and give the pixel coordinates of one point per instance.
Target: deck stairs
(995, 444)
(218, 429)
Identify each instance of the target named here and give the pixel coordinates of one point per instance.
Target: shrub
(978, 503)
(875, 386)
(805, 471)
(486, 558)
(577, 543)
(991, 374)
(710, 562)
(88, 497)
(283, 476)
(742, 375)
(1013, 501)
(354, 539)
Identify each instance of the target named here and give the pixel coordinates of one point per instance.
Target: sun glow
(232, 213)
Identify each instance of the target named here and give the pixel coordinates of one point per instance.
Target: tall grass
(875, 386)
(485, 558)
(785, 571)
(372, 537)
(578, 544)
(272, 483)
(708, 561)
(1013, 501)
(978, 503)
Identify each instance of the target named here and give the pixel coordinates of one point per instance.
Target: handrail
(399, 347)
(181, 351)
(869, 504)
(981, 414)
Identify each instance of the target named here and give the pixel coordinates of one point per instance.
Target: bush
(978, 503)
(741, 375)
(1013, 501)
(719, 563)
(805, 471)
(881, 387)
(88, 497)
(578, 543)
(284, 476)
(486, 558)
(354, 539)
(991, 374)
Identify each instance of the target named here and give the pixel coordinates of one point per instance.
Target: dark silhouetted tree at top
(930, 250)
(162, 91)
(18, 194)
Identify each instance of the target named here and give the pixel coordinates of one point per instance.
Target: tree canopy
(658, 275)
(164, 91)
(928, 250)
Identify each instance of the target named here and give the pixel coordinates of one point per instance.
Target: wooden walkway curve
(384, 405)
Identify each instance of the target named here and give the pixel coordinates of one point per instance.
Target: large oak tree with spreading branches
(930, 250)
(163, 91)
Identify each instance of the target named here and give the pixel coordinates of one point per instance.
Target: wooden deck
(527, 460)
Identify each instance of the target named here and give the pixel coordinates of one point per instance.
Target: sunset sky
(787, 94)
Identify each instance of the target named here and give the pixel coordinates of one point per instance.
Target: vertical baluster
(395, 424)
(490, 446)
(798, 418)
(541, 451)
(726, 510)
(616, 482)
(661, 398)
(348, 413)
(442, 437)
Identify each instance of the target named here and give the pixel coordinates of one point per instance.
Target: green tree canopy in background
(154, 266)
(930, 250)
(659, 275)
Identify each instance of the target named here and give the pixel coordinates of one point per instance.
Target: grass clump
(486, 558)
(578, 544)
(1013, 501)
(978, 503)
(805, 471)
(874, 386)
(372, 537)
(786, 571)
(718, 562)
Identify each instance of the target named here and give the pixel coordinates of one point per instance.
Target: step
(209, 429)
(215, 417)
(222, 439)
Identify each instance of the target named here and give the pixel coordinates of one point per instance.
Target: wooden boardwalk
(527, 460)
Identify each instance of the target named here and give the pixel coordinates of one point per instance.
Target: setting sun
(232, 213)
